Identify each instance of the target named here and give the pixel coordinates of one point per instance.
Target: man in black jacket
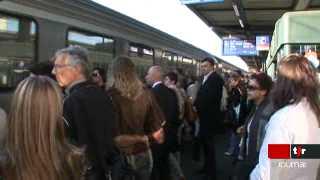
(87, 110)
(208, 107)
(168, 103)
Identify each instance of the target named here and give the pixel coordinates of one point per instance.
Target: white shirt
(3, 133)
(206, 77)
(248, 132)
(156, 83)
(293, 124)
(237, 111)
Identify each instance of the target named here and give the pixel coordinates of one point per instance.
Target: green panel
(295, 27)
(303, 27)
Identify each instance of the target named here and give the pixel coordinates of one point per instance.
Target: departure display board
(262, 43)
(237, 47)
(199, 1)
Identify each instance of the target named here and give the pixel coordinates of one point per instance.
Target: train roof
(90, 15)
(229, 66)
(301, 27)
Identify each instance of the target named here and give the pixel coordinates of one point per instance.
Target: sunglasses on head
(252, 87)
(94, 74)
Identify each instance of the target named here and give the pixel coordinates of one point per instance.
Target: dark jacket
(90, 117)
(260, 116)
(208, 105)
(168, 103)
(234, 99)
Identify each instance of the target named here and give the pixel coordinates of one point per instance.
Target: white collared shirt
(206, 77)
(156, 83)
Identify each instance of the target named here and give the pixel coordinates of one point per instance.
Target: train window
(169, 61)
(148, 52)
(84, 39)
(142, 57)
(101, 48)
(311, 51)
(17, 49)
(33, 28)
(9, 25)
(133, 49)
(167, 56)
(188, 65)
(187, 60)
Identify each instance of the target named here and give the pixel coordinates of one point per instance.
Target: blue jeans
(137, 167)
(175, 168)
(233, 143)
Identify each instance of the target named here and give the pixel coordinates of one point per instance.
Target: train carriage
(295, 32)
(31, 31)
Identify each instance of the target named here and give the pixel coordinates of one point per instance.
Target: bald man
(168, 103)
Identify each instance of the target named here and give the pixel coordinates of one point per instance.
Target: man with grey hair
(71, 65)
(168, 103)
(87, 109)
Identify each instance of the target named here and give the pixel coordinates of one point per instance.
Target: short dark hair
(42, 68)
(235, 75)
(264, 81)
(172, 76)
(210, 60)
(239, 73)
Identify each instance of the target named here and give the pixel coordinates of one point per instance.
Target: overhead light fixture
(236, 10)
(241, 23)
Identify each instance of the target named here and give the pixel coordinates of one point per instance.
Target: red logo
(279, 151)
(298, 151)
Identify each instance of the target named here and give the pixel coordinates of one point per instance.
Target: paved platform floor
(224, 163)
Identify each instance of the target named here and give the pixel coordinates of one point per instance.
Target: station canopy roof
(246, 18)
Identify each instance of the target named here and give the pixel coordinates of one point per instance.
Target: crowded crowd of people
(68, 124)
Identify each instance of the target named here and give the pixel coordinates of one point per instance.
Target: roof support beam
(240, 14)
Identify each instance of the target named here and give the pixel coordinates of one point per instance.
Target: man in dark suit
(168, 103)
(87, 110)
(208, 107)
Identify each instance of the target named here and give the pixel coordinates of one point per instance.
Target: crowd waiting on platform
(71, 124)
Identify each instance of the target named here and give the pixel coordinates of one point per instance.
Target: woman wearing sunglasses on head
(99, 77)
(252, 131)
(296, 95)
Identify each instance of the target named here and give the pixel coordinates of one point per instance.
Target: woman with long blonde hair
(36, 144)
(139, 118)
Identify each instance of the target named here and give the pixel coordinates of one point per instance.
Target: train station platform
(224, 163)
